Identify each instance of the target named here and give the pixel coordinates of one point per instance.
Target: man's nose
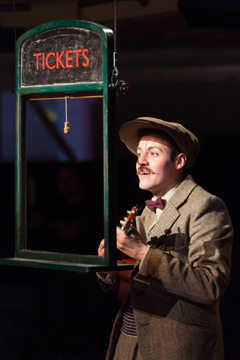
(142, 159)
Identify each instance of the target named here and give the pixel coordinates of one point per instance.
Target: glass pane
(65, 176)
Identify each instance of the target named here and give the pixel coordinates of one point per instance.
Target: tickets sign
(62, 56)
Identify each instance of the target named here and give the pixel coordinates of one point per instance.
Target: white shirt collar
(168, 195)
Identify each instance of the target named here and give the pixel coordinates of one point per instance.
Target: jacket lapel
(165, 222)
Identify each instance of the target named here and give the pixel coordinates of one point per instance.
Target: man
(183, 252)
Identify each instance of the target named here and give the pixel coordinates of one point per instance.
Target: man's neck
(164, 191)
(166, 196)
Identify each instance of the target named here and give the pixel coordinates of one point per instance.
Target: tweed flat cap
(186, 141)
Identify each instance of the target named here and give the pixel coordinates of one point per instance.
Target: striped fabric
(128, 325)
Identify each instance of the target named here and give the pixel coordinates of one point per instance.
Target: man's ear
(181, 160)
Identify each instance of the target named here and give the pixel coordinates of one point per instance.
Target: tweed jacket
(175, 290)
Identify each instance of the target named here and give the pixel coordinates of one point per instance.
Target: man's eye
(139, 154)
(154, 153)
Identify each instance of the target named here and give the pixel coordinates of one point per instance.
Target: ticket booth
(59, 60)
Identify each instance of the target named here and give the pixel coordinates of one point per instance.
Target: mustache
(144, 168)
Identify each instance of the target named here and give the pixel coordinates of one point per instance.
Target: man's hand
(111, 274)
(101, 248)
(133, 245)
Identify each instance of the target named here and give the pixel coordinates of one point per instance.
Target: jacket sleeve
(111, 287)
(203, 273)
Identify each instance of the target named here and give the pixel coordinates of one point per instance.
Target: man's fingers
(101, 248)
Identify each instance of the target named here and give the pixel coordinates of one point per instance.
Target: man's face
(156, 171)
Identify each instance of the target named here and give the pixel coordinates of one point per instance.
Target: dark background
(177, 72)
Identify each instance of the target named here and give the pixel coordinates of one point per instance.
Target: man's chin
(144, 186)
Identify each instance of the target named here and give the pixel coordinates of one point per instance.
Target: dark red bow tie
(152, 205)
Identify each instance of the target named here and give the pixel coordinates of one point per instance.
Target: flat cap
(186, 141)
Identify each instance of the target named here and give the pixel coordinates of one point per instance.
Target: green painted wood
(66, 89)
(61, 261)
(20, 176)
(61, 265)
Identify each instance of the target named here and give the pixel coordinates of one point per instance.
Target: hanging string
(115, 25)
(121, 86)
(115, 69)
(66, 108)
(14, 22)
(15, 33)
(66, 124)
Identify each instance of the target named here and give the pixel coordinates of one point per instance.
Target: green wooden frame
(54, 260)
